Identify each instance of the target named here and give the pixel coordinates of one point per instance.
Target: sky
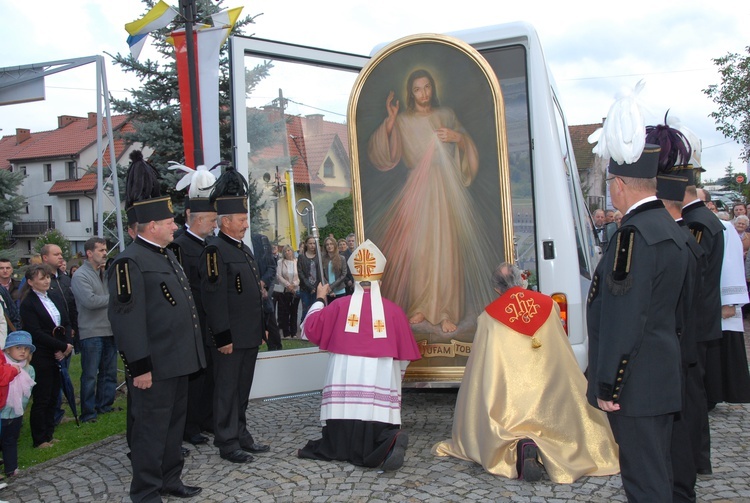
(592, 48)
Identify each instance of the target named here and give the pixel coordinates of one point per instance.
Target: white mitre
(367, 263)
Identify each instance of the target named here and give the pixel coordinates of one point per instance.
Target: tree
(55, 237)
(155, 111)
(11, 202)
(732, 97)
(340, 219)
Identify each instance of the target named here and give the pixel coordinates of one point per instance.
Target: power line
(636, 74)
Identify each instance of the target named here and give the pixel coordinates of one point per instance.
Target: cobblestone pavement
(101, 472)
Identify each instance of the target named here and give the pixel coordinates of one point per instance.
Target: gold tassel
(535, 343)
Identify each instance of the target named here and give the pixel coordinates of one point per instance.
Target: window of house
(328, 168)
(74, 210)
(26, 208)
(22, 170)
(72, 170)
(47, 172)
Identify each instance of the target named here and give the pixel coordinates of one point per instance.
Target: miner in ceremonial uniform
(370, 344)
(709, 233)
(200, 220)
(232, 297)
(675, 174)
(523, 395)
(157, 331)
(634, 371)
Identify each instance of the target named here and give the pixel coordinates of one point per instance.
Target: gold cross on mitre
(364, 262)
(352, 320)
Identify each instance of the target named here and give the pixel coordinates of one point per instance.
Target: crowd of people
(188, 310)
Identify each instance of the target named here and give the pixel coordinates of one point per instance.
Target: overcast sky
(592, 48)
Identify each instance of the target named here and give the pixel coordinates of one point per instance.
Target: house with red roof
(60, 183)
(317, 151)
(592, 169)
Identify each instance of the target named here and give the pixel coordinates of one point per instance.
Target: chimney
(64, 120)
(92, 120)
(22, 135)
(314, 124)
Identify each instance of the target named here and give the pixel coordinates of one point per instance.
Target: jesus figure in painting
(431, 225)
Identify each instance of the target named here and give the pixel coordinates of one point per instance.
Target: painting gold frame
(471, 87)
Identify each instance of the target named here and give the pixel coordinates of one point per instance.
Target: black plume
(230, 183)
(142, 180)
(675, 148)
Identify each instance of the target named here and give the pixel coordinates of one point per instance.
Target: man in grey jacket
(98, 350)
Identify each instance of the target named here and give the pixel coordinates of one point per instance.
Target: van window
(509, 64)
(571, 173)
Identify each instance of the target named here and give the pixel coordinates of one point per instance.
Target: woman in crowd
(741, 223)
(308, 270)
(288, 300)
(618, 218)
(342, 246)
(335, 269)
(739, 209)
(46, 319)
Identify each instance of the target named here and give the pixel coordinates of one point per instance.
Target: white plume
(623, 134)
(202, 182)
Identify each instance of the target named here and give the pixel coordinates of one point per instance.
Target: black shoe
(256, 448)
(196, 439)
(182, 492)
(527, 464)
(238, 456)
(185, 452)
(395, 458)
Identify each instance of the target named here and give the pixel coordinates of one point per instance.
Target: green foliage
(733, 99)
(54, 236)
(155, 106)
(11, 202)
(340, 219)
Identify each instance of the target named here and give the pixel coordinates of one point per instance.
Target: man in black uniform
(709, 233)
(634, 354)
(267, 267)
(233, 300)
(156, 328)
(200, 219)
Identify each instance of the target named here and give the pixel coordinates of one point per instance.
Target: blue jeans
(98, 376)
(307, 300)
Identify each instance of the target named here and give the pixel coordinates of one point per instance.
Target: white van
(551, 224)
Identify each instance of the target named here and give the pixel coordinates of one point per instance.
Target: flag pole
(187, 9)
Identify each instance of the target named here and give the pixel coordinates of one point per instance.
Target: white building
(61, 182)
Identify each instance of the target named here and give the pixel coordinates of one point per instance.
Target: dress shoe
(197, 439)
(527, 464)
(256, 448)
(395, 458)
(182, 492)
(238, 456)
(185, 452)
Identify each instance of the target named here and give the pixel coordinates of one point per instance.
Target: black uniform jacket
(634, 352)
(709, 233)
(231, 293)
(153, 316)
(188, 248)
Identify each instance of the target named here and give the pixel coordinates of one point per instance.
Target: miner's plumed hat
(622, 138)
(143, 199)
(229, 194)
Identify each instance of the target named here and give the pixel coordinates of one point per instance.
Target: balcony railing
(32, 227)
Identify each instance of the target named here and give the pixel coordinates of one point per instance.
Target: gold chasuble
(522, 381)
